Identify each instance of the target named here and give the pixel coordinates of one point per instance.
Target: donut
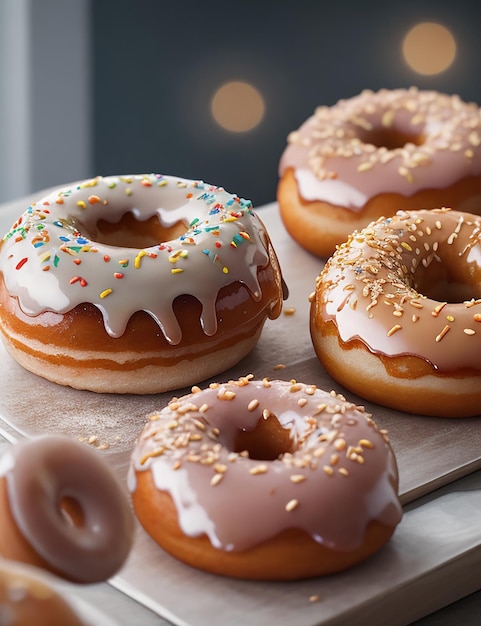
(89, 297)
(27, 597)
(63, 510)
(265, 480)
(395, 315)
(368, 156)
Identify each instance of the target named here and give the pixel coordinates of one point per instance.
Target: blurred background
(206, 90)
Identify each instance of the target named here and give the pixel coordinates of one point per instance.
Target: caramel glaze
(77, 340)
(27, 597)
(405, 292)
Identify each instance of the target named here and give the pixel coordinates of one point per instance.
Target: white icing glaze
(50, 263)
(347, 169)
(340, 475)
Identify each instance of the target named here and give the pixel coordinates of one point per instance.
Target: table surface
(125, 610)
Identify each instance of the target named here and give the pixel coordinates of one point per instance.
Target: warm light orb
(237, 106)
(429, 48)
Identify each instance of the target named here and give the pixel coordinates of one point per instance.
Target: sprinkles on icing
(49, 251)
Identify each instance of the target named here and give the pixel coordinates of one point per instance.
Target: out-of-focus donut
(27, 598)
(63, 510)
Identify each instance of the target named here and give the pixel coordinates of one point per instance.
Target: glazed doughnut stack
(136, 284)
(266, 480)
(370, 155)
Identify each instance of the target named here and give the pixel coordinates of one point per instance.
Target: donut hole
(72, 511)
(446, 281)
(130, 232)
(390, 138)
(266, 442)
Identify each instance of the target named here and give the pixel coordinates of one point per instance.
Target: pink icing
(339, 475)
(338, 155)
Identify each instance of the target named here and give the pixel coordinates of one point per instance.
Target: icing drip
(409, 285)
(337, 474)
(392, 141)
(50, 262)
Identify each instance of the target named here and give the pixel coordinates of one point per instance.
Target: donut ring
(27, 597)
(370, 155)
(265, 480)
(400, 304)
(43, 478)
(91, 300)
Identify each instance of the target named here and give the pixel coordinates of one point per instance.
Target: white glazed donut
(265, 480)
(136, 284)
(372, 154)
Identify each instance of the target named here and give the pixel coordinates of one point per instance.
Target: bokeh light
(238, 106)
(429, 48)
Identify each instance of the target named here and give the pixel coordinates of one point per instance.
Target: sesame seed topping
(297, 478)
(393, 330)
(258, 469)
(216, 479)
(443, 333)
(291, 505)
(226, 395)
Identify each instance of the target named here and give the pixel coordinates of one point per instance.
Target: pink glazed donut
(376, 153)
(63, 510)
(265, 480)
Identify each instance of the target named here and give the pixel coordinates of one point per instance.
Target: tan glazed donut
(63, 510)
(27, 598)
(265, 480)
(136, 284)
(373, 154)
(397, 309)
